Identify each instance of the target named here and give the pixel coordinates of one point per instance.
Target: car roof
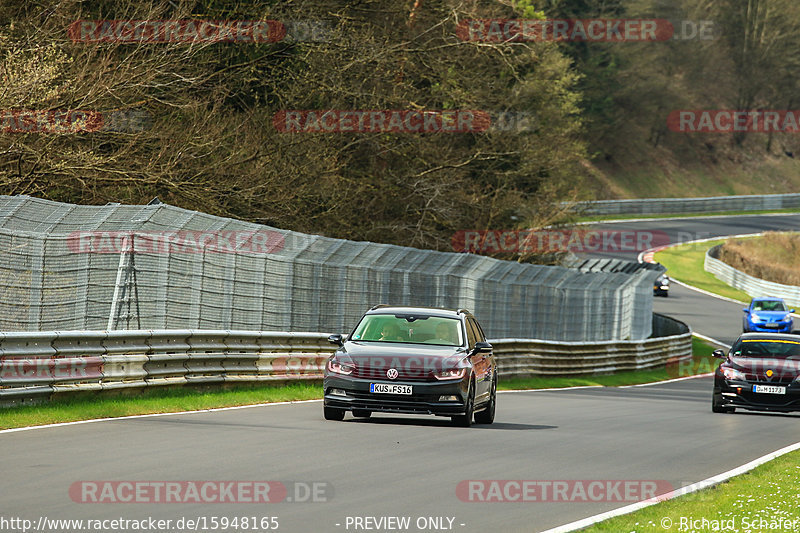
(767, 299)
(432, 311)
(770, 336)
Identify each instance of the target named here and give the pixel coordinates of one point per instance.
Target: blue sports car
(767, 315)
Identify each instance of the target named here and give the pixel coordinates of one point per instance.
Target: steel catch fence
(62, 268)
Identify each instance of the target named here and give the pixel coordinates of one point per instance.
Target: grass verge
(685, 263)
(78, 406)
(770, 492)
(773, 257)
(91, 406)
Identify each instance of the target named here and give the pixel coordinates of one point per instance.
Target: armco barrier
(38, 365)
(658, 206)
(525, 358)
(747, 283)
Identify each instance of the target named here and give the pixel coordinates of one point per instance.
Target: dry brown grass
(773, 257)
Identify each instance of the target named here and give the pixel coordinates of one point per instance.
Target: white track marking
(694, 487)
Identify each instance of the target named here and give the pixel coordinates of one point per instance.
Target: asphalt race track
(713, 317)
(394, 466)
(409, 466)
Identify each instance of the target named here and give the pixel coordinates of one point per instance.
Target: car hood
(771, 315)
(756, 368)
(361, 349)
(373, 359)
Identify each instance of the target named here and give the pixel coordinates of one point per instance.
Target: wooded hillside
(197, 122)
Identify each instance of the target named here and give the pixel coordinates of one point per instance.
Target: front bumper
(423, 400)
(760, 327)
(726, 394)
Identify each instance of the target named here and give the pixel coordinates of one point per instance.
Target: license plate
(389, 388)
(769, 389)
(772, 325)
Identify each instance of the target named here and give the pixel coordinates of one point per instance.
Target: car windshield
(768, 305)
(407, 328)
(772, 348)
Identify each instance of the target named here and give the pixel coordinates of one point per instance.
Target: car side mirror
(336, 339)
(744, 309)
(791, 310)
(483, 347)
(719, 354)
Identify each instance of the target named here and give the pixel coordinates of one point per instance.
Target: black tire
(487, 415)
(465, 420)
(361, 413)
(332, 413)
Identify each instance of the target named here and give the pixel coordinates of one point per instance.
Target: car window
(479, 335)
(472, 333)
(413, 329)
(771, 348)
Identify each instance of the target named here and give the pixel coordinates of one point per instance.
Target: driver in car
(390, 332)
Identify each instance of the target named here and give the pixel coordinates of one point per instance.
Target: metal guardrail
(658, 206)
(751, 285)
(526, 358)
(40, 365)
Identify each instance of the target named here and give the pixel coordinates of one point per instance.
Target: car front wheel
(487, 415)
(465, 420)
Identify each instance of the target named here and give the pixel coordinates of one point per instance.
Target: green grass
(90, 406)
(70, 408)
(770, 491)
(604, 218)
(685, 263)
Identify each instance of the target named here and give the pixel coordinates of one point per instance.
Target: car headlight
(339, 368)
(755, 317)
(456, 373)
(733, 374)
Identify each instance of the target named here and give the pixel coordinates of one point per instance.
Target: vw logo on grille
(392, 373)
(769, 373)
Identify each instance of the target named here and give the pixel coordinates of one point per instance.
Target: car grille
(379, 373)
(762, 379)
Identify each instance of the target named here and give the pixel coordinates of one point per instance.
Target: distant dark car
(414, 361)
(761, 372)
(661, 286)
(767, 315)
